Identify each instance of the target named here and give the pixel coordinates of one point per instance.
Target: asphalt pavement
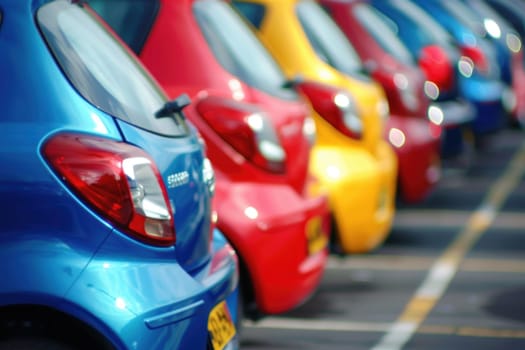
(450, 276)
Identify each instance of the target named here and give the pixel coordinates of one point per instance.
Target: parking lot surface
(450, 276)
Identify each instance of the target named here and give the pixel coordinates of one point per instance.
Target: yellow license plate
(220, 326)
(315, 236)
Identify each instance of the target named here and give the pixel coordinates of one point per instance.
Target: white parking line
(287, 323)
(444, 269)
(419, 263)
(410, 218)
(317, 325)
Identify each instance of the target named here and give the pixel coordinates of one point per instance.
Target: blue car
(107, 238)
(483, 88)
(490, 63)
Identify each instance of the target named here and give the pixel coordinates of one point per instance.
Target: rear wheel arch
(42, 327)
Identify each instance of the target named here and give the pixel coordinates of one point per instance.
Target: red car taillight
(436, 64)
(335, 106)
(478, 57)
(118, 181)
(245, 128)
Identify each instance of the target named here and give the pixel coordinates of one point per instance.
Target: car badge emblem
(178, 179)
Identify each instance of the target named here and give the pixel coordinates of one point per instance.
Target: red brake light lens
(246, 129)
(117, 180)
(335, 106)
(477, 56)
(436, 64)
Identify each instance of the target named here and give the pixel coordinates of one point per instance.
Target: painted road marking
(445, 268)
(284, 323)
(410, 218)
(419, 263)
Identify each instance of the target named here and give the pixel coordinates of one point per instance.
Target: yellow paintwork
(360, 175)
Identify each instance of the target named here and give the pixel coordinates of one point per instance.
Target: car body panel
(489, 104)
(414, 137)
(255, 227)
(63, 256)
(514, 14)
(373, 163)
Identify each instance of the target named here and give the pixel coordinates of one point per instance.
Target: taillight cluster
(477, 58)
(246, 129)
(335, 106)
(438, 68)
(118, 181)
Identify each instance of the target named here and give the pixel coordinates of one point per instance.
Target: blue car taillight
(117, 180)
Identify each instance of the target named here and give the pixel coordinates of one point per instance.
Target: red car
(258, 141)
(415, 138)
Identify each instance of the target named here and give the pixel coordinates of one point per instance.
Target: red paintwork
(438, 68)
(271, 247)
(518, 85)
(419, 156)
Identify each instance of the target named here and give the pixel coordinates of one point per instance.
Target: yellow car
(350, 157)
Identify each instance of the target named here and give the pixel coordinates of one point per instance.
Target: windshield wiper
(173, 107)
(293, 82)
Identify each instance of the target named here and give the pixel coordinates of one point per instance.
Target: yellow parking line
(444, 269)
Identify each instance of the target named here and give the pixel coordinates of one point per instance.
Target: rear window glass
(102, 70)
(377, 26)
(327, 40)
(238, 49)
(130, 19)
(413, 26)
(253, 12)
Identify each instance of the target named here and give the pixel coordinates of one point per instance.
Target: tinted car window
(238, 49)
(253, 12)
(132, 29)
(415, 28)
(330, 44)
(103, 71)
(465, 16)
(375, 24)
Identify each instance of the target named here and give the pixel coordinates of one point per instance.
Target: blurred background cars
(504, 22)
(109, 242)
(258, 135)
(488, 62)
(453, 71)
(351, 158)
(415, 138)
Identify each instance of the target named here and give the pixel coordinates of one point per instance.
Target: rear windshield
(328, 41)
(254, 13)
(375, 24)
(102, 70)
(238, 49)
(130, 19)
(413, 25)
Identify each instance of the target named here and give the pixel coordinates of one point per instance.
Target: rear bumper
(152, 304)
(268, 224)
(362, 190)
(454, 113)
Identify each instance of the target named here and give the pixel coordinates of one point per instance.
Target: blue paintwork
(58, 253)
(486, 92)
